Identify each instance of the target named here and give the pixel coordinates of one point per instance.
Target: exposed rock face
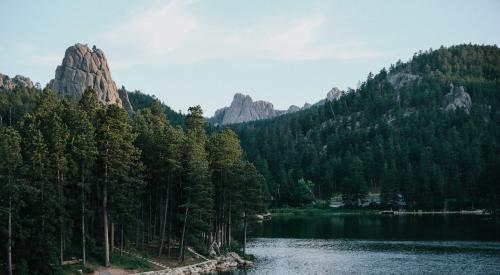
(400, 79)
(293, 108)
(82, 68)
(18, 81)
(457, 98)
(243, 109)
(334, 94)
(123, 93)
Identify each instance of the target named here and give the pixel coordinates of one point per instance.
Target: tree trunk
(105, 213)
(83, 220)
(168, 232)
(229, 225)
(244, 233)
(182, 244)
(164, 220)
(121, 242)
(112, 242)
(61, 232)
(9, 253)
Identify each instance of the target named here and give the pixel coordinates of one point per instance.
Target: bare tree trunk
(112, 242)
(229, 225)
(244, 233)
(168, 232)
(61, 232)
(164, 220)
(150, 217)
(105, 213)
(83, 220)
(121, 242)
(182, 244)
(9, 256)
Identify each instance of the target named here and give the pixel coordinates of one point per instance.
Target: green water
(375, 244)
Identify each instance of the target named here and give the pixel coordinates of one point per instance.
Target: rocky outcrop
(400, 79)
(334, 94)
(18, 81)
(83, 67)
(243, 109)
(457, 98)
(123, 94)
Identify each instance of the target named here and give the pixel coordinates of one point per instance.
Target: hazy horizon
(203, 52)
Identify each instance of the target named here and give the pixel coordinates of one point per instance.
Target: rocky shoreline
(222, 263)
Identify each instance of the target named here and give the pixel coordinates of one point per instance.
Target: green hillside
(393, 135)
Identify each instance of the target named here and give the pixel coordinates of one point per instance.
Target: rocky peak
(123, 93)
(293, 108)
(243, 109)
(457, 98)
(334, 94)
(8, 83)
(83, 67)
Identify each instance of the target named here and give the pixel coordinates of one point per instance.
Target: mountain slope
(405, 133)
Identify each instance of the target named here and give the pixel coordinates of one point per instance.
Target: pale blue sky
(203, 51)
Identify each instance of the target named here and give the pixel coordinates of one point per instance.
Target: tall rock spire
(83, 67)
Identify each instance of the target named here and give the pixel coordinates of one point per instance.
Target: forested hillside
(404, 131)
(79, 179)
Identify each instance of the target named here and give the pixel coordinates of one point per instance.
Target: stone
(243, 109)
(123, 94)
(457, 98)
(81, 68)
(400, 79)
(8, 83)
(334, 94)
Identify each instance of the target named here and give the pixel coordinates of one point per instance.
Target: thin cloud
(173, 33)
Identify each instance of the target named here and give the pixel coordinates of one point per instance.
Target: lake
(376, 244)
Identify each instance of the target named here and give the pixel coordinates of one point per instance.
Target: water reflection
(378, 227)
(374, 244)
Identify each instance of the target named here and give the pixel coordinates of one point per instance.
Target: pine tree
(197, 186)
(10, 161)
(117, 158)
(224, 153)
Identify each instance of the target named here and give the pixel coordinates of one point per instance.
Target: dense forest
(393, 136)
(81, 179)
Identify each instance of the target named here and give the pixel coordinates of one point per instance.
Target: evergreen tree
(10, 161)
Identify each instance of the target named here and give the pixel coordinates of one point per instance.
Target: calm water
(373, 244)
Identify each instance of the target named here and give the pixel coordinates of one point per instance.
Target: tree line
(81, 179)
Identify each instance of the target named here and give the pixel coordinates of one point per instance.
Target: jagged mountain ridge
(244, 109)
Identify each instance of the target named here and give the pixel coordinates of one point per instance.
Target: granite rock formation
(83, 67)
(243, 109)
(457, 98)
(8, 83)
(123, 94)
